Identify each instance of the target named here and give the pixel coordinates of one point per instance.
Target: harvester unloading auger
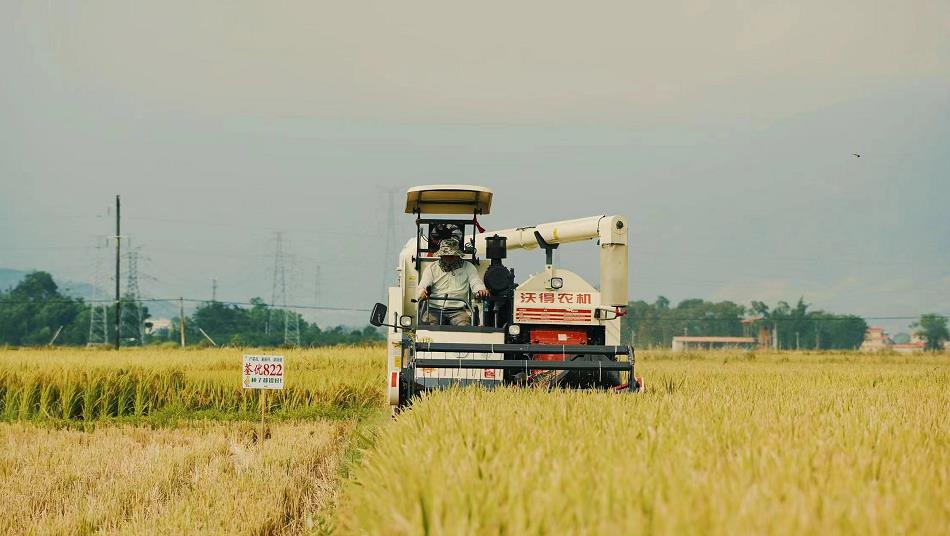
(554, 329)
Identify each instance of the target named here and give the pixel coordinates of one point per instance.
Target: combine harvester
(552, 330)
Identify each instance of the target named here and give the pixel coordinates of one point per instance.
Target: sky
(724, 131)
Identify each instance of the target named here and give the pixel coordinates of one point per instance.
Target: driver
(449, 278)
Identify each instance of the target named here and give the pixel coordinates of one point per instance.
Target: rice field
(166, 441)
(719, 444)
(92, 385)
(200, 478)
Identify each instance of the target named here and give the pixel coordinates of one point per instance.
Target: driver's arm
(475, 283)
(424, 282)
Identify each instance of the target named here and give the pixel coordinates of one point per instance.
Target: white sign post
(263, 372)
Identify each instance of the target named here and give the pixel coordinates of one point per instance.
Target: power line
(361, 310)
(189, 300)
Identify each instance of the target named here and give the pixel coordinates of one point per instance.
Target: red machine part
(556, 336)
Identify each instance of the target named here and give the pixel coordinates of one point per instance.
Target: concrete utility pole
(797, 345)
(118, 267)
(214, 289)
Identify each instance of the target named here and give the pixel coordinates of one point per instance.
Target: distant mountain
(9, 278)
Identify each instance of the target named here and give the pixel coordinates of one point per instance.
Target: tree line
(36, 311)
(653, 325)
(259, 325)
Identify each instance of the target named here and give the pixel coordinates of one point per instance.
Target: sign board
(552, 306)
(263, 371)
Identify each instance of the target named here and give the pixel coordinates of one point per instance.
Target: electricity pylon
(279, 298)
(279, 287)
(98, 304)
(132, 324)
(291, 318)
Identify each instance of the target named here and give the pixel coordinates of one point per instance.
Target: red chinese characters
(565, 298)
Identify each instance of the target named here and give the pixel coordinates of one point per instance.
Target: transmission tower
(279, 288)
(132, 323)
(279, 298)
(98, 306)
(291, 318)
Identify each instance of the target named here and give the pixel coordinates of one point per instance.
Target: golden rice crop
(199, 478)
(720, 443)
(78, 384)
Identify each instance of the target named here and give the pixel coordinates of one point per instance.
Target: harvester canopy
(448, 199)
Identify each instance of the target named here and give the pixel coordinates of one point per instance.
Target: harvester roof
(448, 199)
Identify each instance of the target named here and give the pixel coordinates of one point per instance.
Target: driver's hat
(449, 247)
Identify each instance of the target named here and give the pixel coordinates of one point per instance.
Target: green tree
(238, 326)
(843, 332)
(651, 325)
(32, 312)
(933, 329)
(220, 321)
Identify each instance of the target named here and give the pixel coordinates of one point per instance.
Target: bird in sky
(856, 155)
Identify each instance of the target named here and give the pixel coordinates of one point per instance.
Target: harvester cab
(553, 330)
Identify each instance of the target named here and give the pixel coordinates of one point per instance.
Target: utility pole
(118, 267)
(181, 320)
(214, 289)
(797, 345)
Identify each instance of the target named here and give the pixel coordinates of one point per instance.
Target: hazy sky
(724, 131)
